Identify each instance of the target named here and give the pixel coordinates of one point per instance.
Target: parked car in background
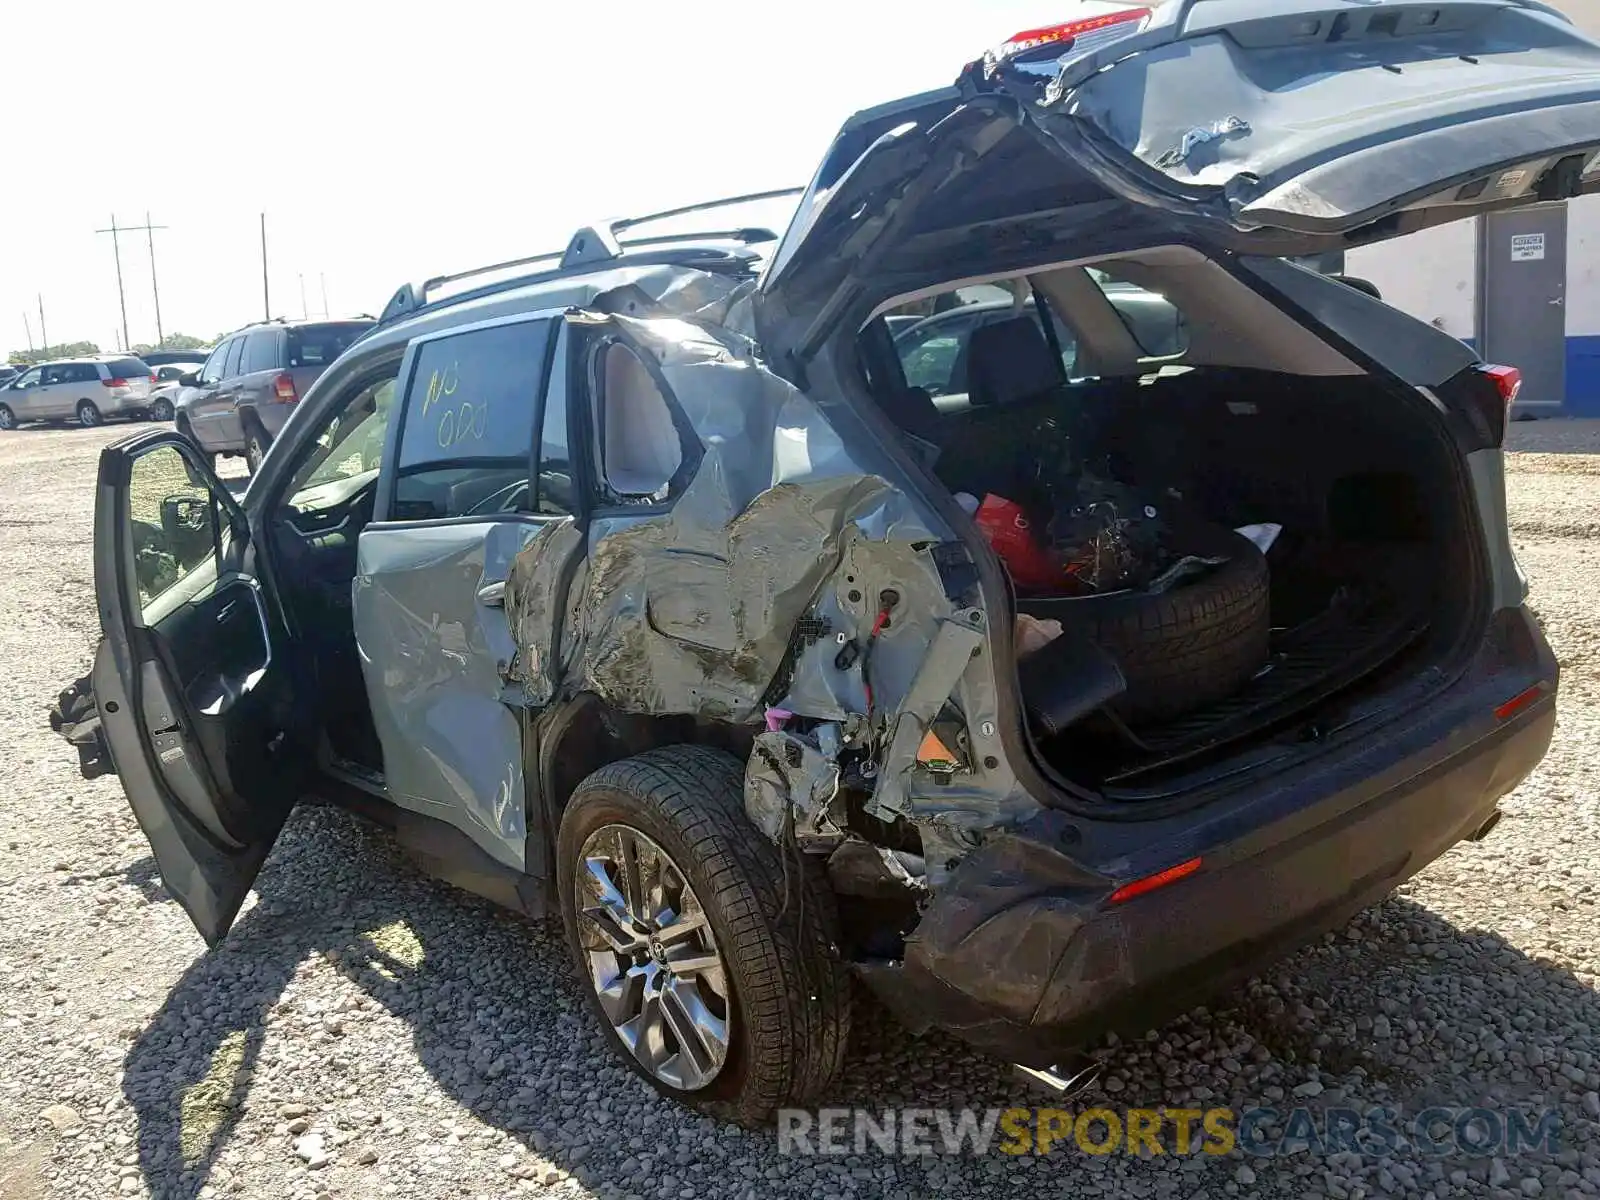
(934, 349)
(250, 383)
(160, 358)
(168, 386)
(10, 371)
(87, 390)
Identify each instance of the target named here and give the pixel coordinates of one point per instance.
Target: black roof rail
(590, 248)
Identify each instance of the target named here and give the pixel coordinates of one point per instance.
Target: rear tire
(788, 1007)
(8, 419)
(256, 445)
(161, 410)
(88, 415)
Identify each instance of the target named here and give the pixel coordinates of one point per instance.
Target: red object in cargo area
(1009, 533)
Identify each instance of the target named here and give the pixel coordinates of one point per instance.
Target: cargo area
(1223, 536)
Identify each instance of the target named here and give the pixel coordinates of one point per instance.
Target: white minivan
(86, 390)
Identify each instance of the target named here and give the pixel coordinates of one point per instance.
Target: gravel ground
(365, 1032)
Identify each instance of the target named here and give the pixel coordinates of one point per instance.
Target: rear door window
(466, 442)
(319, 345)
(260, 352)
(124, 368)
(230, 367)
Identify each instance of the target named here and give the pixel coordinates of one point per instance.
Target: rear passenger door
(460, 495)
(57, 396)
(203, 407)
(258, 367)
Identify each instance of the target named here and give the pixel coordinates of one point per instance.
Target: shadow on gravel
(498, 1022)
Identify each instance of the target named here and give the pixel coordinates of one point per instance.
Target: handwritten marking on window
(441, 385)
(464, 422)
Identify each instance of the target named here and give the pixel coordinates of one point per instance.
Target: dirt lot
(365, 1032)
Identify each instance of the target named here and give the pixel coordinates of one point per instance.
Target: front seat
(1010, 361)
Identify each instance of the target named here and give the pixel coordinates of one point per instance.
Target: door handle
(493, 595)
(1559, 301)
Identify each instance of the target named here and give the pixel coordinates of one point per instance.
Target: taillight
(113, 383)
(1082, 36)
(283, 386)
(153, 379)
(1507, 381)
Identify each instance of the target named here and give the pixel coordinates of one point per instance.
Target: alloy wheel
(652, 958)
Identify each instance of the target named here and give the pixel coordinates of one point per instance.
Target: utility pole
(324, 280)
(266, 296)
(116, 250)
(155, 291)
(44, 338)
(29, 328)
(304, 312)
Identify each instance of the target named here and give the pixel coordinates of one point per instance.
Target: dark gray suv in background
(251, 382)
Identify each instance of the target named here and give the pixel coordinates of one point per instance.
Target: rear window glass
(932, 345)
(127, 368)
(319, 345)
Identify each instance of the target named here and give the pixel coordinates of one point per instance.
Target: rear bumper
(1022, 954)
(122, 404)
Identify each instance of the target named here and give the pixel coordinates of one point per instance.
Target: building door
(1522, 300)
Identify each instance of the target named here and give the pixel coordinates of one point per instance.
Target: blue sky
(394, 141)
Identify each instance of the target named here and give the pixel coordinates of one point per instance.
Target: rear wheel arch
(588, 734)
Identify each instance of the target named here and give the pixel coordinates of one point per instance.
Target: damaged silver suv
(639, 586)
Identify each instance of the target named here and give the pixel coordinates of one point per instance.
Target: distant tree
(60, 350)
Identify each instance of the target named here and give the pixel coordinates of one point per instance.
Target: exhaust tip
(1486, 828)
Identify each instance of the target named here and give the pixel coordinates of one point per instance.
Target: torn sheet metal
(694, 610)
(790, 780)
(946, 661)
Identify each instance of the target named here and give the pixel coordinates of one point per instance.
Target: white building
(1523, 286)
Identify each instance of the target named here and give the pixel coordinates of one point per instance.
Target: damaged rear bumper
(1022, 954)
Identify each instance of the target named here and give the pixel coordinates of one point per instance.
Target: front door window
(174, 522)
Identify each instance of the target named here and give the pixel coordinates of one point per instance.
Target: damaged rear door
(465, 488)
(1326, 123)
(197, 698)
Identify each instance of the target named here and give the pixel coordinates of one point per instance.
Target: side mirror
(192, 379)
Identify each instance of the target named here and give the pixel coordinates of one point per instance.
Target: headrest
(1010, 361)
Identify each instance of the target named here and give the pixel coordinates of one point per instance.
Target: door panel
(1523, 298)
(208, 730)
(435, 648)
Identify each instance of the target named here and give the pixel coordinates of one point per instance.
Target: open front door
(193, 686)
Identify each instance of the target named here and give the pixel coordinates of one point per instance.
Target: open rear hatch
(1276, 127)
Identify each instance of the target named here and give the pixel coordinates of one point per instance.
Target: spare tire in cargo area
(1185, 648)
